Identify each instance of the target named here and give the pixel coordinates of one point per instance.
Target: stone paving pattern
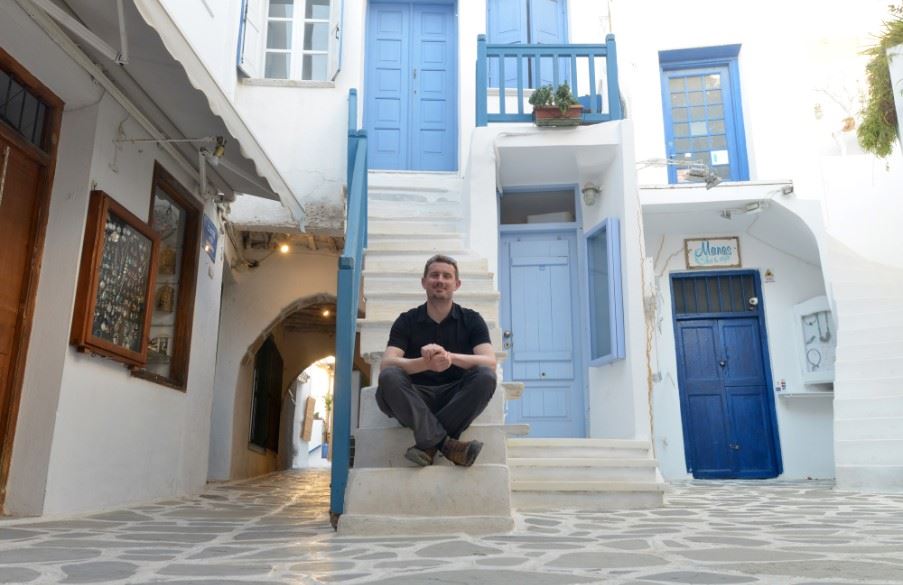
(275, 529)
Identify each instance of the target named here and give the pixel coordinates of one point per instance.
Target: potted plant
(556, 107)
(878, 130)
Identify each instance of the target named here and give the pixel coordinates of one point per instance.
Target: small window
(23, 110)
(176, 218)
(293, 38)
(606, 304)
(703, 114)
(266, 402)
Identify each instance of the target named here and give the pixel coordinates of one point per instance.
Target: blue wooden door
(533, 22)
(723, 390)
(539, 309)
(410, 108)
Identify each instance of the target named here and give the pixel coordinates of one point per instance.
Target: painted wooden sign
(712, 252)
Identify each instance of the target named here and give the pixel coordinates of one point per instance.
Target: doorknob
(722, 363)
(506, 334)
(414, 73)
(734, 446)
(506, 337)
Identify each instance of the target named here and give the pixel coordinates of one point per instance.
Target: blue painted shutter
(507, 26)
(250, 37)
(548, 26)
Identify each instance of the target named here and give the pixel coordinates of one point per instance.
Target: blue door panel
(411, 87)
(548, 26)
(724, 398)
(527, 21)
(539, 307)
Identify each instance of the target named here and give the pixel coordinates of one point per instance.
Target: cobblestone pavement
(275, 529)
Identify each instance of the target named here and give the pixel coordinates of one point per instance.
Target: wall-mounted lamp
(696, 171)
(591, 192)
(751, 208)
(284, 248)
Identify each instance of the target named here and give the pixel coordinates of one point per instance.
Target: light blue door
(410, 110)
(541, 22)
(539, 318)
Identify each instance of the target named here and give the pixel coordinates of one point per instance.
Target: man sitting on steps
(438, 371)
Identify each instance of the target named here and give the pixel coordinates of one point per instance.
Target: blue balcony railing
(506, 75)
(348, 294)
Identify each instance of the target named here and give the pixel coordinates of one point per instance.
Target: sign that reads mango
(712, 252)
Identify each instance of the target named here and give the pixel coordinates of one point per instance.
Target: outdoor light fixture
(326, 312)
(696, 171)
(591, 192)
(284, 248)
(751, 208)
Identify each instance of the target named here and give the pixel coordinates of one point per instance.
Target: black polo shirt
(460, 332)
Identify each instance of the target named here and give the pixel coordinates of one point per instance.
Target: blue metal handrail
(565, 62)
(348, 293)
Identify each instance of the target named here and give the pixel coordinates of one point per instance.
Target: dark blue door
(727, 416)
(410, 108)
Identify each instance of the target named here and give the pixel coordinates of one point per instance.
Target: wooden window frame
(181, 352)
(45, 156)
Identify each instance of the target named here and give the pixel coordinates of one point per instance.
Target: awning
(166, 79)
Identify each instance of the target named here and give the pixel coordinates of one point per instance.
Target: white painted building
(812, 215)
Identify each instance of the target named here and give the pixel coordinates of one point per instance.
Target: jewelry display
(817, 340)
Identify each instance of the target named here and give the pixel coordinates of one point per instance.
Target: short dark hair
(445, 260)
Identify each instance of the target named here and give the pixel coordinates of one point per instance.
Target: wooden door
(30, 117)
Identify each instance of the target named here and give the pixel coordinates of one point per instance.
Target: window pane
(682, 145)
(716, 112)
(282, 8)
(719, 141)
(679, 114)
(599, 289)
(315, 67)
(676, 84)
(697, 98)
(697, 113)
(277, 66)
(279, 35)
(316, 36)
(694, 83)
(700, 144)
(678, 99)
(713, 96)
(698, 129)
(318, 9)
(712, 81)
(681, 130)
(169, 221)
(716, 126)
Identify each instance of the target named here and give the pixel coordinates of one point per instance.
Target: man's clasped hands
(436, 357)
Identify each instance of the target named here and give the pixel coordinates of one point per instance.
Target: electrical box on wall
(816, 340)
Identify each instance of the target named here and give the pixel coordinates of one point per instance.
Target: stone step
(371, 417)
(436, 245)
(413, 225)
(375, 333)
(438, 182)
(513, 390)
(378, 236)
(867, 388)
(871, 304)
(860, 289)
(583, 448)
(852, 408)
(876, 350)
(409, 281)
(867, 429)
(386, 447)
(868, 452)
(847, 337)
(394, 261)
(432, 499)
(581, 469)
(389, 306)
(868, 368)
(382, 209)
(586, 495)
(869, 478)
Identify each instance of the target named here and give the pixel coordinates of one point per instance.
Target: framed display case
(816, 340)
(115, 283)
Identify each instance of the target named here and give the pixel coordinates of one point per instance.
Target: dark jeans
(434, 412)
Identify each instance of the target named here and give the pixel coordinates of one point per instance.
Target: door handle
(734, 446)
(722, 363)
(506, 334)
(506, 339)
(414, 73)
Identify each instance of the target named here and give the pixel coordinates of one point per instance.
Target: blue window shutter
(548, 26)
(606, 299)
(507, 21)
(250, 37)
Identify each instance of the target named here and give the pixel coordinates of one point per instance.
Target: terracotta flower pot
(552, 116)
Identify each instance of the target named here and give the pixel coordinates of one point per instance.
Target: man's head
(440, 277)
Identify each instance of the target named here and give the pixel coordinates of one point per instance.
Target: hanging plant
(879, 129)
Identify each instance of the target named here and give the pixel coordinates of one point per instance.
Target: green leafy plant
(546, 96)
(878, 129)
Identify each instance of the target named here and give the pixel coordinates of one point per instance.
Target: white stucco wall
(805, 424)
(252, 303)
(89, 435)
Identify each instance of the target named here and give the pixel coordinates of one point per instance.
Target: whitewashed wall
(89, 435)
(805, 424)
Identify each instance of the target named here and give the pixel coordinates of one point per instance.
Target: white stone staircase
(587, 474)
(411, 217)
(868, 386)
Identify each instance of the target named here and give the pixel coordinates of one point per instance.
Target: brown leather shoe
(422, 457)
(462, 453)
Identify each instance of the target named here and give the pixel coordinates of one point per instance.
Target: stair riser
(880, 388)
(862, 321)
(537, 473)
(882, 452)
(419, 227)
(474, 491)
(389, 181)
(884, 350)
(873, 408)
(386, 447)
(380, 310)
(433, 246)
(859, 289)
(866, 429)
(586, 500)
(386, 263)
(879, 368)
(371, 417)
(869, 305)
(403, 209)
(555, 452)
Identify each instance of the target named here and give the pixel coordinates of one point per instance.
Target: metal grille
(22, 110)
(713, 294)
